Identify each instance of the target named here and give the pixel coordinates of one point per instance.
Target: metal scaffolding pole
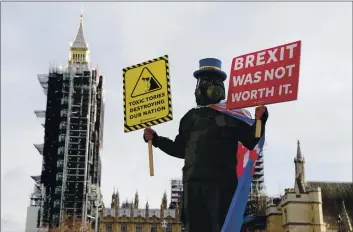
(67, 141)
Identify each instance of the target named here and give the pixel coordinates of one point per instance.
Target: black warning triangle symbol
(146, 83)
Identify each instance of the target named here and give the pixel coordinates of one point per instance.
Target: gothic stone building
(128, 217)
(312, 206)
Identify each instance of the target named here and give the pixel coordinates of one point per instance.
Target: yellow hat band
(214, 67)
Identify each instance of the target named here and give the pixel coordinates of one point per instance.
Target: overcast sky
(123, 34)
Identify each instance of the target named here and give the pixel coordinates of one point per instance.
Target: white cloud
(122, 34)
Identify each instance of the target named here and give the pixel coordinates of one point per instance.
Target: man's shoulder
(188, 115)
(201, 110)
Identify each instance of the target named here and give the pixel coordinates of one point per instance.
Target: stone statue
(208, 141)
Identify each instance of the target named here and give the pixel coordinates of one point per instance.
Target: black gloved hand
(149, 134)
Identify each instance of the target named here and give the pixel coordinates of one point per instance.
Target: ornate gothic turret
(299, 161)
(136, 203)
(162, 211)
(147, 210)
(164, 201)
(132, 209)
(116, 203)
(113, 199)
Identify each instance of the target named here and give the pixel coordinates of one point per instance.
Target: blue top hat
(210, 66)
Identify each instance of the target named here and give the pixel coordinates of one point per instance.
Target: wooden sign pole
(258, 128)
(150, 156)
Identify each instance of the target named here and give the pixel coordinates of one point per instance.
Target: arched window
(154, 228)
(60, 163)
(138, 228)
(63, 113)
(58, 190)
(62, 126)
(123, 228)
(61, 149)
(56, 203)
(59, 176)
(169, 228)
(108, 227)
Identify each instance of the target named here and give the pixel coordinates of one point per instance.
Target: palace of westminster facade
(128, 217)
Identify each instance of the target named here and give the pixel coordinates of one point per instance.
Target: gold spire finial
(299, 152)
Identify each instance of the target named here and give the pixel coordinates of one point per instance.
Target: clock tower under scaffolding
(74, 116)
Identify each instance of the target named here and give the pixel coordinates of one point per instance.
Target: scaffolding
(43, 81)
(36, 196)
(40, 113)
(76, 148)
(70, 178)
(258, 182)
(80, 185)
(39, 147)
(68, 175)
(51, 151)
(176, 192)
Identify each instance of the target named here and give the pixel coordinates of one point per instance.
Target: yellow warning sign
(147, 95)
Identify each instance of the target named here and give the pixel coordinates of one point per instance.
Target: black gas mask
(209, 90)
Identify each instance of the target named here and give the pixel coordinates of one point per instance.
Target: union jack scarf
(245, 170)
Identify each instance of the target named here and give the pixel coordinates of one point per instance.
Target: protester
(208, 141)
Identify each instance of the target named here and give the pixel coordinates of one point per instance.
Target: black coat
(208, 141)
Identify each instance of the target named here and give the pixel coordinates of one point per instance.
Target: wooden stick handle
(258, 128)
(150, 155)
